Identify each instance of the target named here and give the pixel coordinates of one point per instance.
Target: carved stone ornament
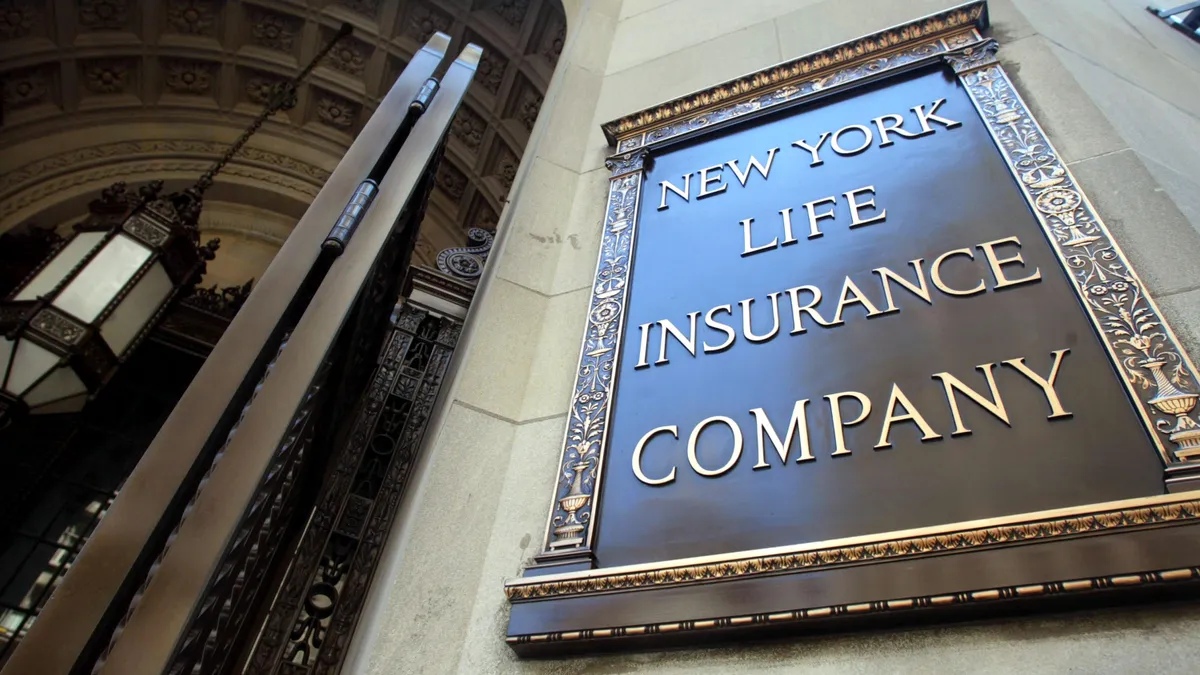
(106, 77)
(274, 30)
(189, 77)
(24, 88)
(424, 21)
(490, 72)
(348, 56)
(192, 17)
(104, 14)
(511, 11)
(468, 128)
(16, 18)
(336, 111)
(450, 180)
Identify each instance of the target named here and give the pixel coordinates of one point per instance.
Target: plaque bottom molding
(1033, 527)
(813, 614)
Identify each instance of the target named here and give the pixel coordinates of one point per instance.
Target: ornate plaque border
(1159, 376)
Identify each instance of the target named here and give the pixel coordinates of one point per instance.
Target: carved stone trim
(798, 78)
(1157, 372)
(570, 530)
(819, 556)
(897, 604)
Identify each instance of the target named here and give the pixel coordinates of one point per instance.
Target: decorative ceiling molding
(85, 63)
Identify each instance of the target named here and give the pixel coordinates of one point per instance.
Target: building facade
(1117, 92)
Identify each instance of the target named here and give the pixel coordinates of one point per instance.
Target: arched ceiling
(95, 91)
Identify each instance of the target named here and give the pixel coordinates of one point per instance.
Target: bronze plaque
(853, 338)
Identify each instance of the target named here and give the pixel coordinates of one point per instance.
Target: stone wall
(1118, 92)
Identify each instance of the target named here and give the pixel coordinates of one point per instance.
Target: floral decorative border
(1158, 374)
(800, 77)
(570, 522)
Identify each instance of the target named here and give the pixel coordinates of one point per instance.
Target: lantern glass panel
(61, 265)
(29, 364)
(103, 278)
(131, 316)
(6, 349)
(60, 385)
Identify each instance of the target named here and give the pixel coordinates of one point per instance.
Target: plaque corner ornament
(972, 56)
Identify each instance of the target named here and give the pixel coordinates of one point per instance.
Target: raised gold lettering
(644, 329)
(839, 427)
(798, 310)
(855, 218)
(667, 185)
(705, 180)
(750, 249)
(911, 415)
(935, 273)
(952, 384)
(764, 171)
(711, 322)
(925, 117)
(814, 149)
(733, 457)
(848, 288)
(797, 426)
(989, 250)
(814, 217)
(669, 329)
(919, 289)
(641, 446)
(1046, 383)
(746, 319)
(897, 121)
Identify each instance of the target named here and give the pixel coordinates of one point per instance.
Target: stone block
(1094, 31)
(673, 27)
(516, 537)
(1008, 24)
(552, 373)
(1182, 310)
(1158, 240)
(727, 57)
(572, 98)
(581, 237)
(1153, 127)
(811, 27)
(590, 41)
(1075, 126)
(535, 239)
(430, 591)
(500, 355)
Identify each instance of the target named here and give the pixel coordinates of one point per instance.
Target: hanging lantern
(67, 327)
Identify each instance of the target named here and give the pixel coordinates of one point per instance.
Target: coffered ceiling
(95, 91)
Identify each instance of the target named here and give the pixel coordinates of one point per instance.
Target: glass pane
(30, 363)
(6, 347)
(90, 292)
(127, 320)
(62, 263)
(60, 384)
